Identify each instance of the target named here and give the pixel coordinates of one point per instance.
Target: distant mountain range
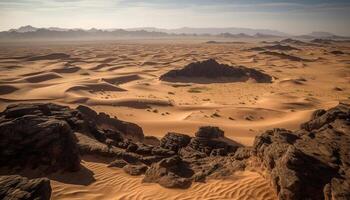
(213, 31)
(30, 32)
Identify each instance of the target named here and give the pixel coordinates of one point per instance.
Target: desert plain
(121, 78)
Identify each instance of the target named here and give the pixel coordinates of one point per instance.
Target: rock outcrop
(313, 162)
(16, 187)
(215, 72)
(48, 134)
(310, 163)
(30, 137)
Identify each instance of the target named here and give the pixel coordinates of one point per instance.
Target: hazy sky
(296, 17)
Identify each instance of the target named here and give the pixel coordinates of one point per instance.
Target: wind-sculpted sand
(122, 80)
(113, 183)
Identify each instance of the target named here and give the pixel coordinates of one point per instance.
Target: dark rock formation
(174, 141)
(103, 121)
(209, 132)
(312, 163)
(47, 133)
(322, 41)
(15, 187)
(337, 52)
(28, 137)
(118, 163)
(210, 69)
(293, 41)
(135, 170)
(171, 172)
(285, 56)
(277, 47)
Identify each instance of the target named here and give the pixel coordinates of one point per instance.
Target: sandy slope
(121, 79)
(113, 183)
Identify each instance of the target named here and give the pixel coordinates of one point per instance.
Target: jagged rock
(103, 121)
(135, 170)
(144, 149)
(51, 124)
(211, 69)
(209, 132)
(170, 172)
(242, 153)
(174, 141)
(30, 140)
(313, 162)
(117, 163)
(162, 152)
(15, 187)
(282, 55)
(148, 160)
(280, 47)
(207, 146)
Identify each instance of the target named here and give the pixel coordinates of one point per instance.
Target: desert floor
(122, 79)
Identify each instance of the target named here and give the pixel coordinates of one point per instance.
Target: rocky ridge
(310, 163)
(216, 72)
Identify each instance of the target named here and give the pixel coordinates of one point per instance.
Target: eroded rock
(15, 187)
(313, 162)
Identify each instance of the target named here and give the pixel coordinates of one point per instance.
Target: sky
(293, 17)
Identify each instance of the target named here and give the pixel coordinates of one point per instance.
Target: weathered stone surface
(209, 132)
(312, 163)
(211, 69)
(117, 163)
(174, 141)
(170, 172)
(103, 121)
(97, 133)
(30, 140)
(15, 187)
(135, 170)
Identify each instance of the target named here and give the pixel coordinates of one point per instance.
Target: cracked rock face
(313, 162)
(15, 187)
(310, 163)
(31, 138)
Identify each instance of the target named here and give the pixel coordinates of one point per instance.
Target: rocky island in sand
(211, 71)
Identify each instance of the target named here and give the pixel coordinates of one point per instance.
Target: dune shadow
(82, 177)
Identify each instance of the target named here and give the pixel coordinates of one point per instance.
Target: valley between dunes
(122, 80)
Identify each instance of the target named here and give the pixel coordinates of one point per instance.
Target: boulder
(174, 141)
(117, 163)
(170, 173)
(30, 140)
(209, 132)
(15, 187)
(135, 170)
(313, 162)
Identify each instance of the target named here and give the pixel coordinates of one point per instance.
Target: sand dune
(42, 77)
(122, 79)
(95, 87)
(66, 69)
(126, 85)
(52, 56)
(113, 183)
